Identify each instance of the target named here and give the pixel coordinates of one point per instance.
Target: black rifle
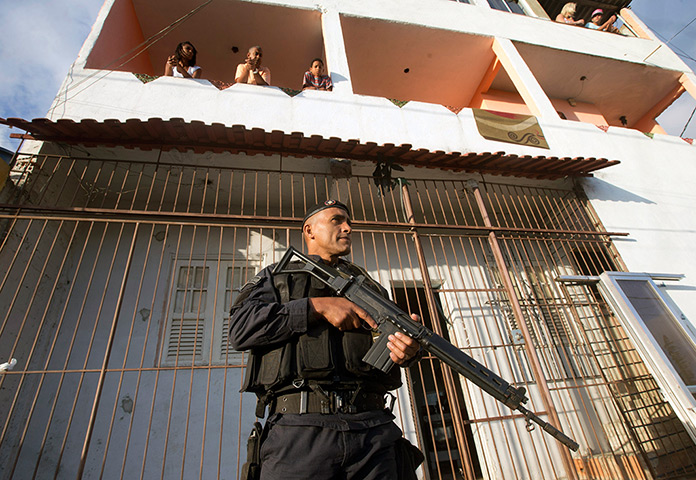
(391, 319)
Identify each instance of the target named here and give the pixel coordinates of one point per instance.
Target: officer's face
(328, 234)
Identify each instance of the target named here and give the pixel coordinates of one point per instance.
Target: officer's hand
(403, 347)
(341, 312)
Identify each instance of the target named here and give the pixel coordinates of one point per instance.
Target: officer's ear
(307, 230)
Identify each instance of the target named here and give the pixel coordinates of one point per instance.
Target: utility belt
(329, 402)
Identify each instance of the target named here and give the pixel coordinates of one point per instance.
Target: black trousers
(320, 453)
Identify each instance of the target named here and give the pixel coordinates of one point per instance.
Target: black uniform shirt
(261, 319)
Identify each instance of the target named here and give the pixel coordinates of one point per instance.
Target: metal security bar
(118, 275)
(663, 442)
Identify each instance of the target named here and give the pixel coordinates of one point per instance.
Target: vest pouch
(269, 368)
(315, 357)
(251, 373)
(356, 343)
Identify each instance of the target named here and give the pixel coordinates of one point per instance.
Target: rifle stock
(391, 319)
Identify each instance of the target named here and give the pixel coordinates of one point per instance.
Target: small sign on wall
(510, 128)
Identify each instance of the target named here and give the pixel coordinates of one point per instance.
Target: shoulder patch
(252, 283)
(247, 290)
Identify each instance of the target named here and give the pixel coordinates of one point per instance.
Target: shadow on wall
(597, 189)
(337, 78)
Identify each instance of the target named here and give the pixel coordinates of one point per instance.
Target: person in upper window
(183, 63)
(567, 15)
(596, 22)
(251, 70)
(314, 78)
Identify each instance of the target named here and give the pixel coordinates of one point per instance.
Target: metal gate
(117, 276)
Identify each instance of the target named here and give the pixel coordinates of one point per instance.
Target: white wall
(650, 195)
(647, 195)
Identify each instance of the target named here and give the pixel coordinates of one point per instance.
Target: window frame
(522, 5)
(214, 318)
(675, 391)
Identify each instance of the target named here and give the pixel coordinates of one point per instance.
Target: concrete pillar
(336, 58)
(537, 9)
(637, 25)
(688, 81)
(523, 78)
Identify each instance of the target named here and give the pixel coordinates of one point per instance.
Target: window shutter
(185, 340)
(187, 317)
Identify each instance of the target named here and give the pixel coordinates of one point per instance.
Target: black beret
(323, 206)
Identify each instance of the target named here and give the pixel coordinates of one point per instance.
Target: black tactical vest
(323, 355)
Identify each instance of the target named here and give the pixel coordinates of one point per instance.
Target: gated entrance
(118, 273)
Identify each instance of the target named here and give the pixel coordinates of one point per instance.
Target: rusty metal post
(519, 316)
(449, 380)
(13, 160)
(107, 355)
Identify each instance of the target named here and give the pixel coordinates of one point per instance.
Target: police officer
(327, 410)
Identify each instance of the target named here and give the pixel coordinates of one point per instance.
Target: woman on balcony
(567, 14)
(183, 63)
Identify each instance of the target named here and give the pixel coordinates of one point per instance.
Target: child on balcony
(183, 63)
(596, 22)
(314, 78)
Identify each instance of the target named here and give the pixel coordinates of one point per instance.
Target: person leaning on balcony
(568, 13)
(326, 407)
(596, 22)
(251, 70)
(183, 63)
(314, 78)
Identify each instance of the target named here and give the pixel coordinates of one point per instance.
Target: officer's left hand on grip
(402, 347)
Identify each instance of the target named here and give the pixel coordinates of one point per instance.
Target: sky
(41, 39)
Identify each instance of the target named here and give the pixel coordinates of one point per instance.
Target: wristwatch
(255, 71)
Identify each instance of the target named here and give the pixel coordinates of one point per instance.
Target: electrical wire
(688, 121)
(138, 49)
(683, 54)
(674, 47)
(667, 42)
(683, 28)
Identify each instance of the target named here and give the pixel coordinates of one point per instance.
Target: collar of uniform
(317, 258)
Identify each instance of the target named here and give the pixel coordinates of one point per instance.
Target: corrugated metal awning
(156, 133)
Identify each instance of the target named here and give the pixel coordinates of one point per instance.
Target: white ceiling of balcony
(408, 62)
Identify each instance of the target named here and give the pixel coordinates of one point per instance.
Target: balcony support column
(648, 122)
(523, 78)
(336, 57)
